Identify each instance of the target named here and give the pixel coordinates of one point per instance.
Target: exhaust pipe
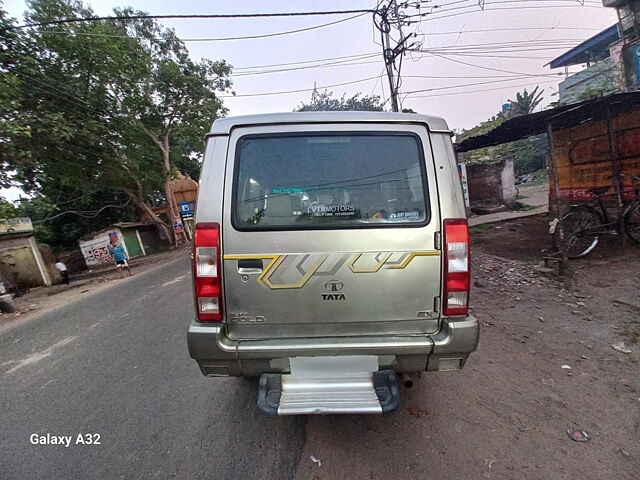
(407, 381)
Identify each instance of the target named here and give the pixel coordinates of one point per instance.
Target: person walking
(120, 256)
(64, 273)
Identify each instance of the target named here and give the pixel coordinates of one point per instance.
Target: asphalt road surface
(116, 364)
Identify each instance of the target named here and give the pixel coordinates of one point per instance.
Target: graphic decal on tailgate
(294, 271)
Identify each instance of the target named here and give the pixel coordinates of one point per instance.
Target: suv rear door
(329, 230)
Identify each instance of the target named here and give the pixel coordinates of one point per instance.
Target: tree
(528, 154)
(172, 104)
(524, 104)
(324, 101)
(107, 109)
(7, 210)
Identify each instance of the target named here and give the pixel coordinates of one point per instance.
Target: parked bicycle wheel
(576, 224)
(632, 223)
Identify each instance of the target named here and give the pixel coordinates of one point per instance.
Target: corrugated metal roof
(559, 117)
(583, 52)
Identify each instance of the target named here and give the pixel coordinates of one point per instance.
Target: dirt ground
(506, 414)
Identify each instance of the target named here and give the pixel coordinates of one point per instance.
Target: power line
(437, 15)
(299, 91)
(305, 62)
(341, 63)
(185, 16)
(464, 85)
(445, 57)
(483, 90)
(508, 29)
(220, 39)
(90, 214)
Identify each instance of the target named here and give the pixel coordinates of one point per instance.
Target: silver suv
(331, 253)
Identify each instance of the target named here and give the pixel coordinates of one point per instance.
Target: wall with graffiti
(584, 155)
(95, 250)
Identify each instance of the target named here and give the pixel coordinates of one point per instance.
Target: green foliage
(322, 102)
(101, 111)
(528, 154)
(524, 104)
(606, 80)
(7, 210)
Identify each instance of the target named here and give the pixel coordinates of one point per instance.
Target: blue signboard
(185, 208)
(636, 58)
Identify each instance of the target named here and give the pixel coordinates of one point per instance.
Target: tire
(6, 304)
(632, 223)
(573, 222)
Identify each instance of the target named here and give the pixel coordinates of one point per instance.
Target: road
(115, 363)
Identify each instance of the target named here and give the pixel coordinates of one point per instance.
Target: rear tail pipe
(407, 381)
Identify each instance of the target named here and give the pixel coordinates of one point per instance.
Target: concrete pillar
(508, 181)
(46, 279)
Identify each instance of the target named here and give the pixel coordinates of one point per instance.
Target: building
(602, 75)
(185, 193)
(629, 43)
(137, 238)
(21, 262)
(611, 58)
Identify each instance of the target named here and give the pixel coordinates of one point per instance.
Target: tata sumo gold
(331, 258)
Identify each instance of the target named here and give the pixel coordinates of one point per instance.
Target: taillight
(456, 267)
(207, 272)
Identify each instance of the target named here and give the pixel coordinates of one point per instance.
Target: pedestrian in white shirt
(62, 268)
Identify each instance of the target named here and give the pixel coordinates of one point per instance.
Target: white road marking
(49, 382)
(171, 282)
(36, 357)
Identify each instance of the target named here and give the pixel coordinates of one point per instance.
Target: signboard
(462, 171)
(96, 250)
(15, 225)
(185, 208)
(178, 227)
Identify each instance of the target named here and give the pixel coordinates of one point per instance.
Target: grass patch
(521, 207)
(479, 229)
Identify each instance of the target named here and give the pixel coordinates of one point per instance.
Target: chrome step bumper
(329, 385)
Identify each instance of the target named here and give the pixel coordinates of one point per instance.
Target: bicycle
(582, 225)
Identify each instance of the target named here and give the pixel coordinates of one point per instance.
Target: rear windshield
(329, 181)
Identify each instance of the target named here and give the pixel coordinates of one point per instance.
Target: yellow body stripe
(412, 255)
(368, 270)
(301, 283)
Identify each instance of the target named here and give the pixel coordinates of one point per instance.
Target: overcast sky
(464, 95)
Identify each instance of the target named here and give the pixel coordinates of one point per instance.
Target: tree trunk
(146, 210)
(168, 191)
(166, 167)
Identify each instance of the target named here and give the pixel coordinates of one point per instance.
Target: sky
(477, 61)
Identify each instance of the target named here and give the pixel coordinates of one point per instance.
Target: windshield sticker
(331, 210)
(287, 190)
(404, 215)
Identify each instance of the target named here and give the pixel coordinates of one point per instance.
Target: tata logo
(333, 296)
(333, 286)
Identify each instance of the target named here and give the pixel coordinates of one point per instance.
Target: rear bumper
(218, 355)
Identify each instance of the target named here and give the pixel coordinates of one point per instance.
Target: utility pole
(386, 18)
(389, 61)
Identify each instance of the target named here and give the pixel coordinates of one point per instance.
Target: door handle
(250, 266)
